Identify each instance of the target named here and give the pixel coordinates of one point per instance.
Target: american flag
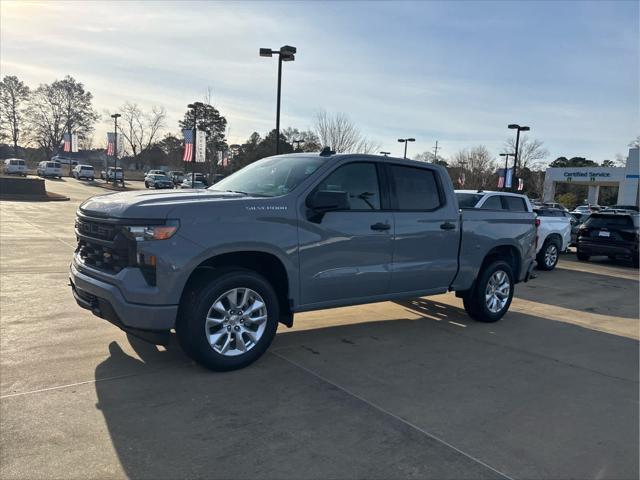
(67, 142)
(501, 180)
(223, 160)
(461, 179)
(188, 145)
(520, 184)
(111, 144)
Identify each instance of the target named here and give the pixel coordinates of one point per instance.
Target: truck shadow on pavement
(528, 396)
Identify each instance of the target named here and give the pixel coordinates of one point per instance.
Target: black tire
(196, 304)
(551, 247)
(474, 300)
(146, 185)
(583, 257)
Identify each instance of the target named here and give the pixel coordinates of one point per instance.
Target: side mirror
(326, 201)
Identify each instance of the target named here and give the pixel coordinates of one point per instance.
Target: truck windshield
(270, 177)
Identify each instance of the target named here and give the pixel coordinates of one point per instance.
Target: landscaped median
(26, 189)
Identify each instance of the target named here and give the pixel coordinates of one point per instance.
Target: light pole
(194, 106)
(386, 154)
(285, 54)
(506, 167)
(115, 117)
(435, 153)
(405, 141)
(518, 128)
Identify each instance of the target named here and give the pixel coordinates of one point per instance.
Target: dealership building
(625, 178)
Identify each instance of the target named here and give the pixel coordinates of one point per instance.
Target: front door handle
(380, 226)
(447, 226)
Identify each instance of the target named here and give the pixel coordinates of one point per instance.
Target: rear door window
(492, 203)
(468, 200)
(514, 204)
(415, 188)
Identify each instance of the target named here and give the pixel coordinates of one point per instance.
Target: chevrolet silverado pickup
(224, 266)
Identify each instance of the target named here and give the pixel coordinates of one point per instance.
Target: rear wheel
(582, 256)
(229, 321)
(548, 256)
(491, 296)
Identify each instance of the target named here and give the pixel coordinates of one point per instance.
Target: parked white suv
(488, 200)
(49, 169)
(554, 236)
(15, 166)
(83, 171)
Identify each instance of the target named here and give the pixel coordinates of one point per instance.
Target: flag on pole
(201, 146)
(67, 142)
(509, 178)
(111, 142)
(461, 179)
(74, 142)
(223, 160)
(501, 178)
(188, 145)
(520, 184)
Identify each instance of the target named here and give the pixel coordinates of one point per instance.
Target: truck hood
(144, 204)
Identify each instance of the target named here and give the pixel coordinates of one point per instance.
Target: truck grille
(104, 246)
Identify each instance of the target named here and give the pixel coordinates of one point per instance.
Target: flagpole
(69, 130)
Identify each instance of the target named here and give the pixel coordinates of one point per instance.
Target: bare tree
(58, 108)
(340, 134)
(531, 152)
(140, 129)
(431, 158)
(477, 164)
(13, 97)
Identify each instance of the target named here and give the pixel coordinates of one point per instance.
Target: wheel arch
(266, 264)
(508, 253)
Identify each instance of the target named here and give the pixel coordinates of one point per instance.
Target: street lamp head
(288, 49)
(513, 126)
(287, 57)
(385, 153)
(266, 52)
(411, 139)
(401, 140)
(116, 115)
(524, 129)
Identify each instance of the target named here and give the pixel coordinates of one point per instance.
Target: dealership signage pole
(115, 117)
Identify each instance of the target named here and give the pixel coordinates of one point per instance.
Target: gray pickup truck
(287, 234)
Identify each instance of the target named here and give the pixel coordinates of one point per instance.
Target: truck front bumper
(106, 301)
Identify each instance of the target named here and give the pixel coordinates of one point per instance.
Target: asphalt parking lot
(412, 389)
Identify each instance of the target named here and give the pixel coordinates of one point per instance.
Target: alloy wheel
(497, 291)
(236, 321)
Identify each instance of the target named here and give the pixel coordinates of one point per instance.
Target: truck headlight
(141, 233)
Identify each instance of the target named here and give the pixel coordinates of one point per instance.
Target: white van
(15, 166)
(83, 171)
(49, 169)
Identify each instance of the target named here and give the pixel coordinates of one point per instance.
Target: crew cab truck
(286, 234)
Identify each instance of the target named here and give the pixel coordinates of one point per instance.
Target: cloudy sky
(457, 71)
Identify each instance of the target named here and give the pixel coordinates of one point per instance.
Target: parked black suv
(609, 234)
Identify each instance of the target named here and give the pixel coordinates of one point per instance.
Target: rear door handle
(380, 226)
(447, 226)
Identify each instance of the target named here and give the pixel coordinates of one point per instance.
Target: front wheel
(229, 321)
(491, 296)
